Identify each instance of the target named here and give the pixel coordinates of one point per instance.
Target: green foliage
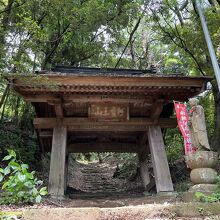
(18, 184)
(16, 128)
(23, 143)
(215, 197)
(207, 102)
(174, 144)
(129, 168)
(182, 186)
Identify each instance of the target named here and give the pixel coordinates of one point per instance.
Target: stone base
(171, 193)
(203, 188)
(206, 189)
(190, 196)
(146, 193)
(58, 198)
(203, 175)
(202, 159)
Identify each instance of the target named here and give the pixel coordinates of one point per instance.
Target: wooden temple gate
(82, 110)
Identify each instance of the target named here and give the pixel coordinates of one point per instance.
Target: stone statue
(197, 125)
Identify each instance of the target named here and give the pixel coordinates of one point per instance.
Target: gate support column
(58, 162)
(159, 160)
(142, 155)
(144, 173)
(66, 173)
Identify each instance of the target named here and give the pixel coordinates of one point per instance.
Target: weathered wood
(77, 92)
(159, 160)
(108, 112)
(157, 109)
(157, 81)
(140, 100)
(84, 124)
(144, 173)
(144, 147)
(128, 137)
(59, 110)
(142, 156)
(45, 134)
(58, 162)
(101, 147)
(66, 173)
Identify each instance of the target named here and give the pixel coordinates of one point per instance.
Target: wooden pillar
(142, 155)
(159, 160)
(58, 162)
(66, 172)
(144, 173)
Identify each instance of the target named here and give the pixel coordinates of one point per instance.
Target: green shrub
(18, 184)
(174, 145)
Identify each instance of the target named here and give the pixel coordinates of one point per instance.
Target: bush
(174, 145)
(18, 184)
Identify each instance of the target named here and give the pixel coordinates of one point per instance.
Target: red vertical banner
(182, 119)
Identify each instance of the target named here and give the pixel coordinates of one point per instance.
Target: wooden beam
(59, 110)
(74, 136)
(66, 173)
(41, 98)
(157, 81)
(157, 109)
(101, 147)
(45, 134)
(73, 98)
(69, 101)
(84, 124)
(159, 160)
(144, 148)
(58, 162)
(119, 99)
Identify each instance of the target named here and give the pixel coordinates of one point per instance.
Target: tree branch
(182, 42)
(129, 40)
(9, 6)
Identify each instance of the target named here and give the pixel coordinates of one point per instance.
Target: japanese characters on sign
(108, 112)
(182, 119)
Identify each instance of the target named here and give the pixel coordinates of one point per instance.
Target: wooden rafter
(73, 98)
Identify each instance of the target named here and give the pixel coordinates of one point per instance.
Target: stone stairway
(96, 178)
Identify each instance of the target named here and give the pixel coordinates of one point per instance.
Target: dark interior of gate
(107, 110)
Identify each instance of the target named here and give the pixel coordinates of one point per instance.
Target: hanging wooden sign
(108, 112)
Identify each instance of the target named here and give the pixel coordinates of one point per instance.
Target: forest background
(136, 34)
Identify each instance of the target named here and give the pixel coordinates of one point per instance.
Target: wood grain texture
(85, 124)
(159, 160)
(58, 162)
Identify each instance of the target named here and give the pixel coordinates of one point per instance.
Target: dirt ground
(138, 212)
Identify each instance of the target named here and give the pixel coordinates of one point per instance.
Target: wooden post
(143, 153)
(57, 162)
(66, 172)
(159, 160)
(144, 173)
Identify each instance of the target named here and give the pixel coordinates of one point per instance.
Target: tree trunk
(16, 110)
(4, 95)
(4, 105)
(216, 136)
